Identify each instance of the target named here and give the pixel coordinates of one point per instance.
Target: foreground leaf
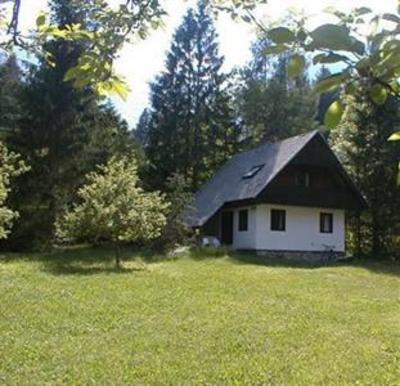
(330, 83)
(337, 38)
(395, 136)
(272, 50)
(296, 65)
(281, 35)
(334, 114)
(378, 94)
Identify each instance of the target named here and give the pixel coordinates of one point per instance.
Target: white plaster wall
(302, 229)
(244, 239)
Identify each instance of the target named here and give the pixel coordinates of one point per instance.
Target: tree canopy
(112, 207)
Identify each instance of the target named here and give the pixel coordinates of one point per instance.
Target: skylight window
(253, 171)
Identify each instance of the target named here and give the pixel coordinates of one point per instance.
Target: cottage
(285, 199)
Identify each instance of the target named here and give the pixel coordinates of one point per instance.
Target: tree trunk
(358, 234)
(117, 255)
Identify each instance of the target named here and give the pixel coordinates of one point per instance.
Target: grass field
(71, 318)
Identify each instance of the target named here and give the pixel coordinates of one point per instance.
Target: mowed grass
(71, 318)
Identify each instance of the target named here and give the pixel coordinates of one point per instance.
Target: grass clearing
(71, 318)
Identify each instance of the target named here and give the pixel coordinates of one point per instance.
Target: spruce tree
(270, 104)
(11, 86)
(191, 130)
(63, 133)
(361, 143)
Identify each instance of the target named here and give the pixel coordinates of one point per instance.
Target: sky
(141, 61)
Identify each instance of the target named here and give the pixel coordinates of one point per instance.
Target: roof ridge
(314, 131)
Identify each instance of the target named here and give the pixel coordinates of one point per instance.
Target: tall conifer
(191, 130)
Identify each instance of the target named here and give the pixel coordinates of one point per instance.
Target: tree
(112, 207)
(109, 28)
(63, 133)
(360, 142)
(176, 232)
(270, 104)
(11, 86)
(11, 166)
(143, 127)
(364, 45)
(192, 128)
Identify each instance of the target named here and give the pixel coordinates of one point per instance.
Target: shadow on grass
(62, 268)
(86, 260)
(383, 266)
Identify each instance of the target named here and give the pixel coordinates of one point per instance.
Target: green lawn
(70, 318)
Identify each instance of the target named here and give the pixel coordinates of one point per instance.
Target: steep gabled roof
(228, 183)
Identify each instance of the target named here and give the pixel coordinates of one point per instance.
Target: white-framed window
(243, 220)
(325, 222)
(278, 220)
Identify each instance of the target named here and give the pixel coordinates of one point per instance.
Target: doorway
(227, 227)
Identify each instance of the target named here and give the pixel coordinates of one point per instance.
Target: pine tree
(142, 129)
(11, 85)
(361, 143)
(63, 134)
(270, 104)
(191, 130)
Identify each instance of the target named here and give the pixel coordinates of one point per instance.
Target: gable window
(278, 220)
(302, 178)
(326, 222)
(253, 171)
(243, 220)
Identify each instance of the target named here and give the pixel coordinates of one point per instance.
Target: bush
(113, 208)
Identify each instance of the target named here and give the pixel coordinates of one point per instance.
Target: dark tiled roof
(228, 183)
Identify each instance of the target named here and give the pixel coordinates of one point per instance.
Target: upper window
(326, 222)
(302, 179)
(278, 220)
(253, 171)
(243, 220)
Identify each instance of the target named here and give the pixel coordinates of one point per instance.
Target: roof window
(253, 171)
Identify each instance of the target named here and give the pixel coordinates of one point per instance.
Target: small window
(302, 179)
(253, 171)
(243, 220)
(326, 223)
(278, 220)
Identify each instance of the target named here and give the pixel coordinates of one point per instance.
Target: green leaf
(337, 38)
(296, 65)
(281, 35)
(272, 50)
(301, 35)
(329, 58)
(41, 20)
(330, 83)
(391, 17)
(331, 36)
(362, 11)
(357, 46)
(378, 94)
(71, 74)
(395, 136)
(351, 89)
(398, 176)
(334, 114)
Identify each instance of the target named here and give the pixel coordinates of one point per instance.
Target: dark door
(227, 227)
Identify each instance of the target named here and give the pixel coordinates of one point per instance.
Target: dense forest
(58, 138)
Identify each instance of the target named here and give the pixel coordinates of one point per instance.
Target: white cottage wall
(302, 231)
